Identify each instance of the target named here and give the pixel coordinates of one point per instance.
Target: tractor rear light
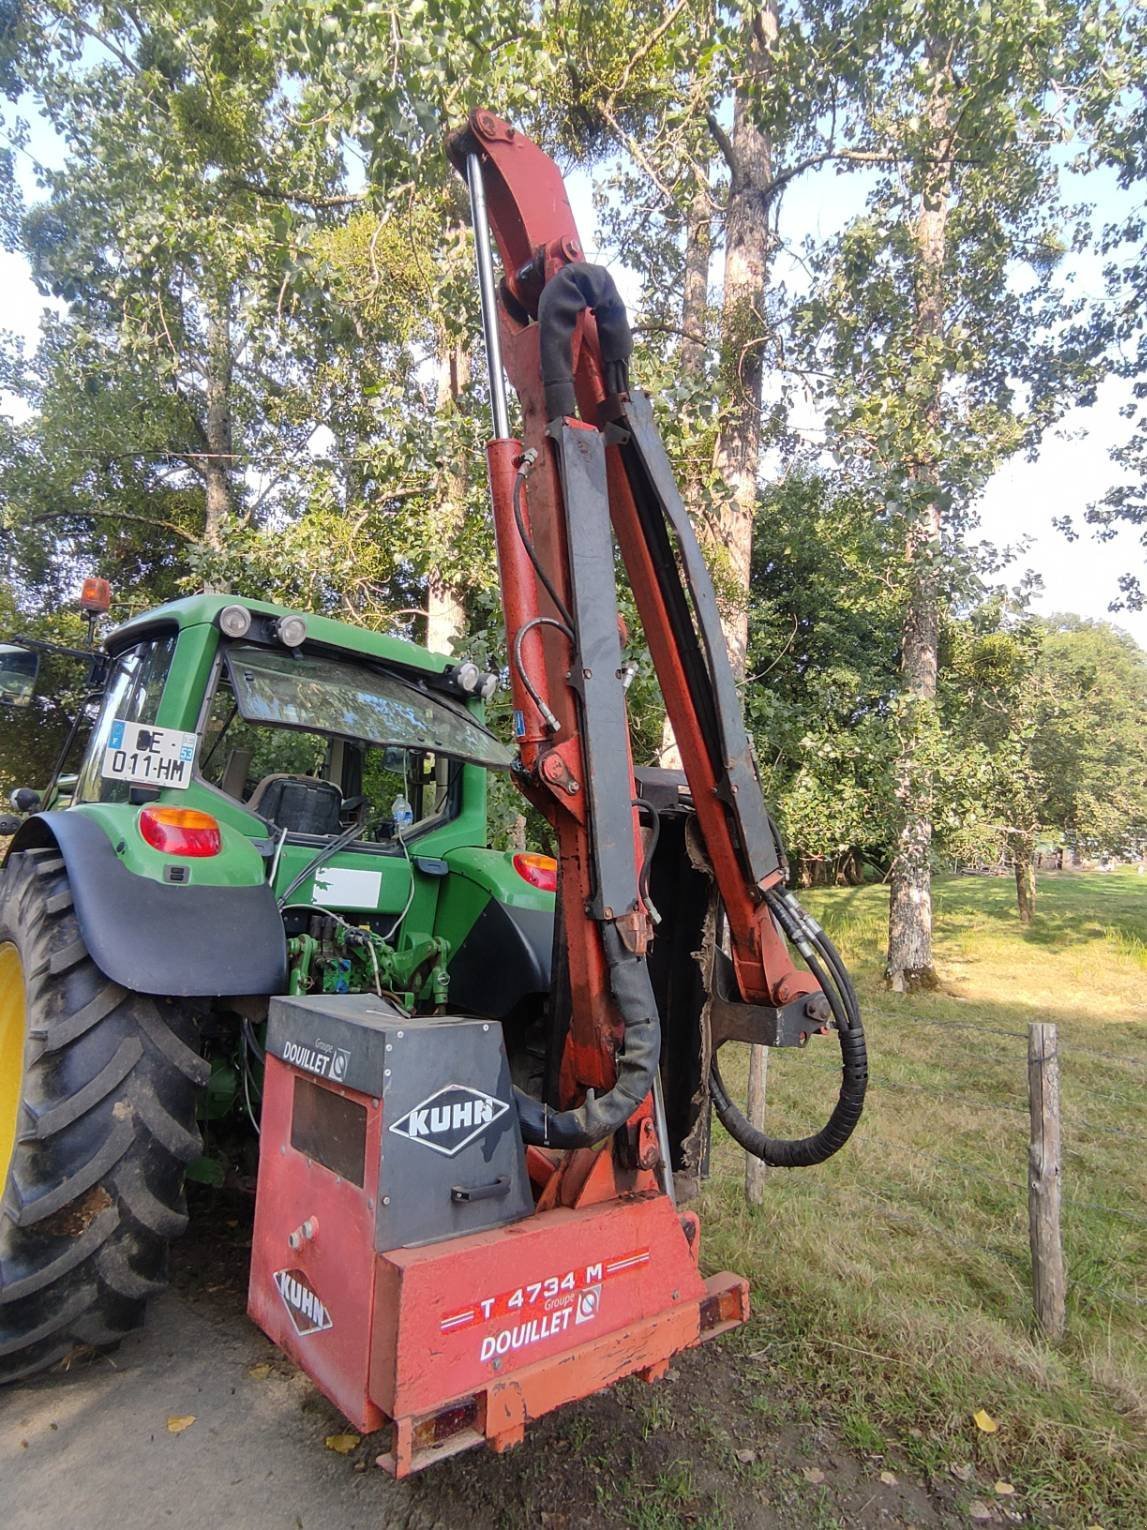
(540, 871)
(180, 831)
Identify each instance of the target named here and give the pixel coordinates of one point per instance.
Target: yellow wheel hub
(13, 1028)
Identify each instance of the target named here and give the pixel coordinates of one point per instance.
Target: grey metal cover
(452, 1159)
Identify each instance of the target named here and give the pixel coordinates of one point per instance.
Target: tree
(177, 232)
(943, 358)
(1115, 107)
(1087, 742)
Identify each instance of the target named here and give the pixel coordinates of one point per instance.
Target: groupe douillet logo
(450, 1119)
(307, 1312)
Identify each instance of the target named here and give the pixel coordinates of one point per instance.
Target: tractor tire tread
(107, 1126)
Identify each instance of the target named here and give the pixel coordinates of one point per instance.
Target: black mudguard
(160, 938)
(504, 959)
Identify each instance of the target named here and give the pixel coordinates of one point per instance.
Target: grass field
(894, 1283)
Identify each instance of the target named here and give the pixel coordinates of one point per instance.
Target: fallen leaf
(746, 1457)
(979, 1510)
(964, 1473)
(1004, 1489)
(259, 1372)
(917, 1434)
(342, 1443)
(889, 1479)
(178, 1422)
(813, 1474)
(984, 1421)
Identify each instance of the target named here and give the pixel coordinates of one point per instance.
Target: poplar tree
(946, 337)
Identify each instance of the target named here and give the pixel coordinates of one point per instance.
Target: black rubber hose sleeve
(569, 291)
(637, 1061)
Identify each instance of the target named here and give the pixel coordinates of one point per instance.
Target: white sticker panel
(344, 887)
(148, 755)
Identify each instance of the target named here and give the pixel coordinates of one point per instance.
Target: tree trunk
(694, 311)
(1023, 859)
(445, 608)
(910, 903)
(1025, 888)
(744, 326)
(743, 332)
(217, 429)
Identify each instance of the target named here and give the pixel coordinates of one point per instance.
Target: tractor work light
(472, 681)
(180, 831)
(290, 630)
(540, 871)
(235, 621)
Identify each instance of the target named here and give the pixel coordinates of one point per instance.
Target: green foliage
(1090, 721)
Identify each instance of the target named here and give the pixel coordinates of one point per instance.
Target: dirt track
(91, 1450)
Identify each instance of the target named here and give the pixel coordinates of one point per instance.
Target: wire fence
(1070, 1169)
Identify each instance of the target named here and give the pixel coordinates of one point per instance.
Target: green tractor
(267, 804)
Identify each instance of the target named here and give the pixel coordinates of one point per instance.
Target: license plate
(148, 755)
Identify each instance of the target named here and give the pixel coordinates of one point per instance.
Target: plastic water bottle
(402, 814)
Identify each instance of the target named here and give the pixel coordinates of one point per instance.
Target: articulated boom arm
(559, 328)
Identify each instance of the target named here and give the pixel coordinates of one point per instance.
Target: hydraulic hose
(803, 1152)
(567, 292)
(636, 1063)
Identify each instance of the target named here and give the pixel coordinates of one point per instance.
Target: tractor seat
(299, 804)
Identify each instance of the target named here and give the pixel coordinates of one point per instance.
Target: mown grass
(894, 1282)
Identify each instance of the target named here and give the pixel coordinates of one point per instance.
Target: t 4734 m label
(579, 1289)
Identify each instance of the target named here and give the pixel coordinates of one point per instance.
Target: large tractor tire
(97, 1124)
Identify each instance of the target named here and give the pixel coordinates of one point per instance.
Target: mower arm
(559, 328)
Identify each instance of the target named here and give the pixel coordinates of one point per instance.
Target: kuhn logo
(450, 1119)
(301, 1300)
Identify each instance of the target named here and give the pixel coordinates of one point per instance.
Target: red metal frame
(534, 229)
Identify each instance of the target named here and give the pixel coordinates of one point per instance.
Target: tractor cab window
(317, 784)
(134, 687)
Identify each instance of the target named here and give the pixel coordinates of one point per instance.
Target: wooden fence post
(1048, 1280)
(755, 1110)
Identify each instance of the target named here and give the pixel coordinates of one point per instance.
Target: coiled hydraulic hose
(636, 1063)
(802, 1152)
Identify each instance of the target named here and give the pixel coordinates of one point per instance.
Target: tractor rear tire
(97, 1124)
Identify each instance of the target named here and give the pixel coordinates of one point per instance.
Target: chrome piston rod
(488, 296)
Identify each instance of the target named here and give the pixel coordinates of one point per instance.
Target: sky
(1072, 470)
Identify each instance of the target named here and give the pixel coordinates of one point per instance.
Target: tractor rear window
(329, 696)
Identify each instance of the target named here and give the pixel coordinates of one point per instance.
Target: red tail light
(180, 831)
(540, 871)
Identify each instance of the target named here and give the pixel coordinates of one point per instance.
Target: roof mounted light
(290, 630)
(235, 621)
(95, 597)
(467, 676)
(472, 681)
